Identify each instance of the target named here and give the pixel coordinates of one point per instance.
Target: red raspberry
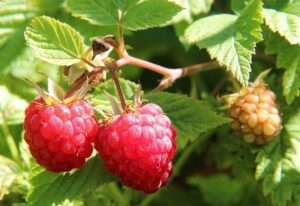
(139, 147)
(60, 136)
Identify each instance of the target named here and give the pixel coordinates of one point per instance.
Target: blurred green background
(215, 174)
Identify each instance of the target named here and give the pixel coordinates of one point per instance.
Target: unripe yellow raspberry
(255, 113)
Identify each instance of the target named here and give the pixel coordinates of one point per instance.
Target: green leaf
(130, 14)
(13, 15)
(85, 28)
(288, 57)
(200, 6)
(27, 66)
(191, 117)
(278, 165)
(54, 41)
(222, 27)
(178, 196)
(286, 25)
(150, 13)
(232, 39)
(212, 187)
(195, 7)
(238, 5)
(12, 107)
(45, 6)
(97, 12)
(48, 188)
(291, 7)
(12, 48)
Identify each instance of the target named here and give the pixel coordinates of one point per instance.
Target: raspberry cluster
(139, 147)
(255, 113)
(60, 136)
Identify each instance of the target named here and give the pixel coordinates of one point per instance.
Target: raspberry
(139, 147)
(255, 113)
(60, 136)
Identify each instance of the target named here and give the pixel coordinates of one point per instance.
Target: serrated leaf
(191, 117)
(97, 12)
(48, 188)
(288, 57)
(150, 13)
(85, 28)
(286, 25)
(278, 163)
(232, 40)
(54, 41)
(130, 14)
(222, 24)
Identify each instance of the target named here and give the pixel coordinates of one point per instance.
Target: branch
(115, 77)
(170, 75)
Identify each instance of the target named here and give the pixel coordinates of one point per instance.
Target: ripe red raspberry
(255, 113)
(60, 136)
(139, 147)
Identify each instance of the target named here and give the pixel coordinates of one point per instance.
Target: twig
(170, 74)
(115, 77)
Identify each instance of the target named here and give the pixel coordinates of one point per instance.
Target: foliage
(239, 39)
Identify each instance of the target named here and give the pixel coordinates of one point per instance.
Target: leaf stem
(121, 49)
(115, 77)
(88, 63)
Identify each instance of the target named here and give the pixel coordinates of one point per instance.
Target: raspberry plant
(105, 132)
